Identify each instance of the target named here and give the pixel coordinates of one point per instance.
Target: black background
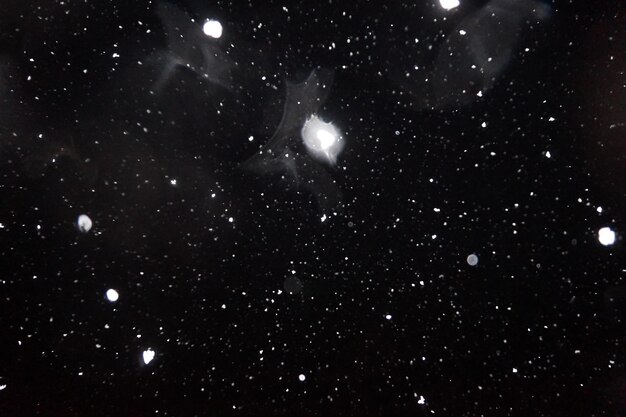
(237, 310)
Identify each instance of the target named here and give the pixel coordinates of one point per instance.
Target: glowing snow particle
(84, 223)
(472, 260)
(606, 236)
(388, 316)
(112, 295)
(212, 28)
(449, 4)
(421, 400)
(322, 139)
(301, 377)
(148, 355)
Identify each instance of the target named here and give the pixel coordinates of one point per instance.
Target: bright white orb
(322, 139)
(212, 28)
(472, 260)
(606, 236)
(148, 355)
(84, 223)
(449, 4)
(301, 377)
(112, 295)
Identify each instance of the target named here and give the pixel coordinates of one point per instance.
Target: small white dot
(112, 295)
(301, 377)
(388, 316)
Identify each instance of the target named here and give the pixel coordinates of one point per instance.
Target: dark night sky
(271, 280)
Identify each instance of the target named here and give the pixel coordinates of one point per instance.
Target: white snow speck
(599, 209)
(148, 356)
(212, 28)
(472, 260)
(606, 236)
(84, 223)
(514, 370)
(301, 377)
(422, 400)
(112, 295)
(388, 316)
(323, 218)
(548, 154)
(462, 32)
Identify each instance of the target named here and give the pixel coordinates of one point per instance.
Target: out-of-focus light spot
(84, 223)
(514, 370)
(483, 124)
(148, 356)
(599, 209)
(472, 260)
(548, 154)
(449, 4)
(421, 400)
(230, 220)
(606, 236)
(212, 28)
(323, 218)
(112, 295)
(301, 377)
(2, 387)
(388, 316)
(462, 32)
(173, 182)
(551, 119)
(322, 139)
